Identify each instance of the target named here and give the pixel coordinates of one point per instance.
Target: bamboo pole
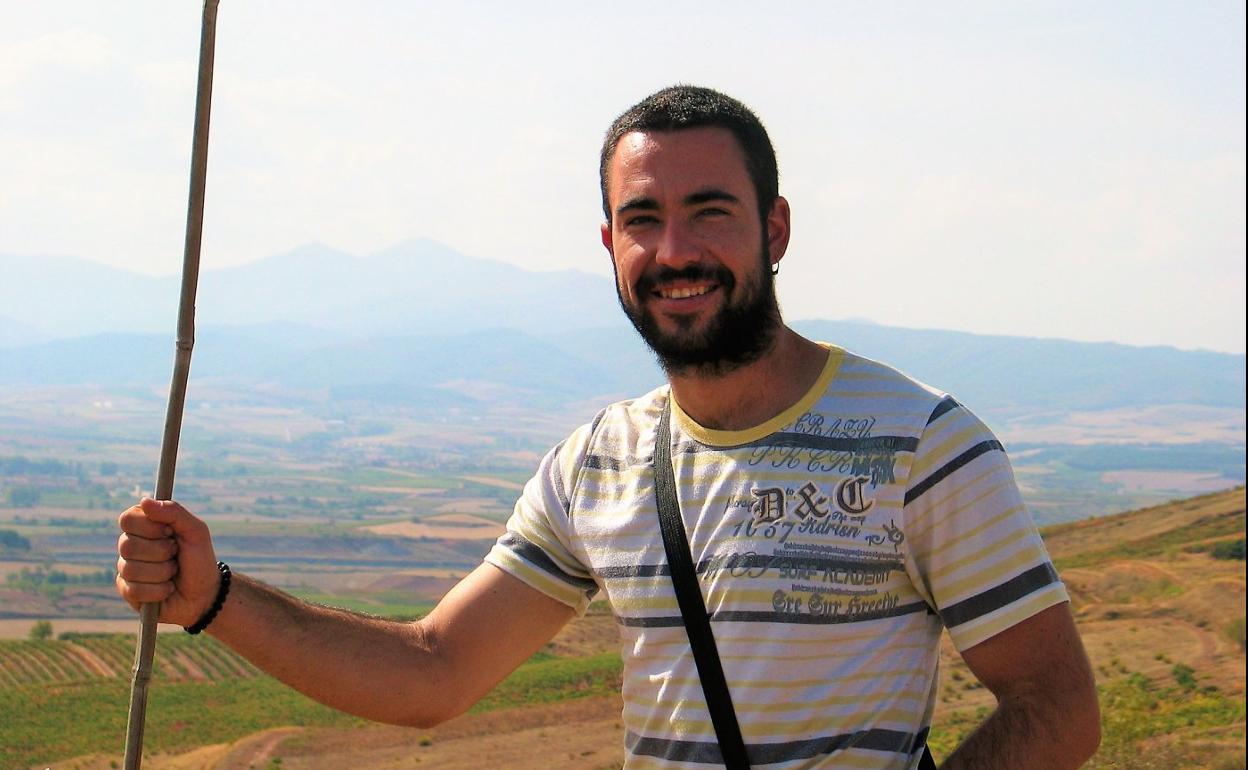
(146, 647)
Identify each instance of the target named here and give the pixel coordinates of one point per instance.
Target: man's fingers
(137, 594)
(122, 589)
(146, 571)
(146, 549)
(135, 522)
(184, 524)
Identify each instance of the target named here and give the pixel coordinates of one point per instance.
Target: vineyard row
(83, 658)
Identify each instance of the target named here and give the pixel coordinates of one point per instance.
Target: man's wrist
(223, 592)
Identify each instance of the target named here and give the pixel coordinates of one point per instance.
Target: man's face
(692, 257)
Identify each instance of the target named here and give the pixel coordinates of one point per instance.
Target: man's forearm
(370, 667)
(1047, 714)
(404, 673)
(1021, 735)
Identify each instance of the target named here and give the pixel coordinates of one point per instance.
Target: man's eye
(712, 212)
(643, 219)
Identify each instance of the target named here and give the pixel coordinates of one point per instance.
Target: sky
(1048, 169)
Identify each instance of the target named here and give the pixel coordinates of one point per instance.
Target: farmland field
(202, 693)
(1158, 595)
(383, 513)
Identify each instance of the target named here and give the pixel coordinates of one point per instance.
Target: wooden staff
(146, 647)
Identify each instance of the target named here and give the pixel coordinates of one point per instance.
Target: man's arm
(418, 673)
(1047, 717)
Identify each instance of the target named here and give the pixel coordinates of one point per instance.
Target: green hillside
(201, 693)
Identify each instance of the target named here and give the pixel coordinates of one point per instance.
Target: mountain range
(419, 321)
(414, 287)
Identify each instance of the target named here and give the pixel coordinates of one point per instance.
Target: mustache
(665, 275)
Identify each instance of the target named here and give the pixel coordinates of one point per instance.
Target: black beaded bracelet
(222, 591)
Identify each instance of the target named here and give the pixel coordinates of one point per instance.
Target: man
(840, 515)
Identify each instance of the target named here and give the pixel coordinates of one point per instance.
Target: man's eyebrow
(709, 195)
(636, 204)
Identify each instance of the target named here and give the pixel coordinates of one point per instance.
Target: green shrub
(1185, 675)
(1229, 549)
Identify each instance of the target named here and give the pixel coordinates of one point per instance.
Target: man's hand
(165, 555)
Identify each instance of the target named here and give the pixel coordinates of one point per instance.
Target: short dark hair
(683, 106)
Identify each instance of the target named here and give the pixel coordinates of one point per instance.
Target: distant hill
(1011, 374)
(414, 287)
(60, 296)
(1025, 372)
(1194, 525)
(419, 317)
(15, 333)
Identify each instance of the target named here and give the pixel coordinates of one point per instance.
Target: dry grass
(1162, 620)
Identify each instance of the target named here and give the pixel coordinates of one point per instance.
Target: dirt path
(583, 734)
(92, 661)
(256, 750)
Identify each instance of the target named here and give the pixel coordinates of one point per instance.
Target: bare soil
(495, 482)
(583, 734)
(454, 526)
(19, 628)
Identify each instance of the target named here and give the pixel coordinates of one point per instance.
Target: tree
(12, 539)
(41, 630)
(22, 497)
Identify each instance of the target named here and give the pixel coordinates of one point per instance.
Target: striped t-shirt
(832, 544)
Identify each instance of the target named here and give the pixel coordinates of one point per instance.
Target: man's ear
(605, 232)
(778, 229)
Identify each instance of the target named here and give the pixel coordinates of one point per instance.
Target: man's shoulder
(643, 409)
(618, 430)
(860, 376)
(948, 428)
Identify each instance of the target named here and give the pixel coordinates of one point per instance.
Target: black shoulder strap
(692, 608)
(927, 762)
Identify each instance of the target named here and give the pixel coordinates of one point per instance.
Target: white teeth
(683, 293)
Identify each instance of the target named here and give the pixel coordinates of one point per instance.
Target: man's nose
(677, 247)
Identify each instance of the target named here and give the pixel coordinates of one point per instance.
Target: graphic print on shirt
(823, 546)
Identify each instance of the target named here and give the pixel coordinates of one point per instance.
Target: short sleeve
(535, 548)
(974, 551)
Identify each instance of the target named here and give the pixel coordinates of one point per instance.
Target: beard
(738, 334)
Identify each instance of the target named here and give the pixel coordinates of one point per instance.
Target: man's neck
(754, 393)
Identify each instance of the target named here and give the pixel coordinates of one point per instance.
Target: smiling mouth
(688, 283)
(683, 292)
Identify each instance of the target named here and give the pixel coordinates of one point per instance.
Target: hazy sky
(1046, 169)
